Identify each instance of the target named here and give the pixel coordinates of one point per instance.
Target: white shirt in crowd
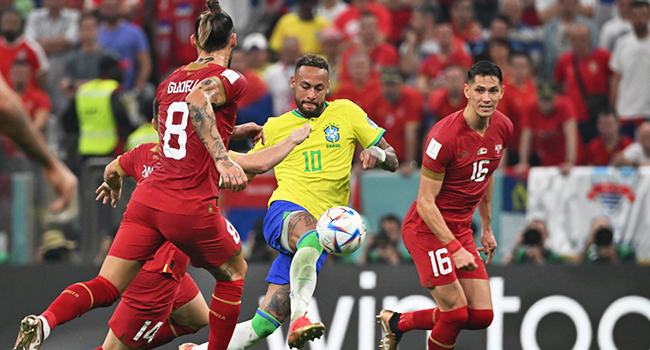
(636, 154)
(631, 59)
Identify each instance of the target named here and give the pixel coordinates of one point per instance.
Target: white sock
(46, 327)
(303, 280)
(203, 346)
(243, 337)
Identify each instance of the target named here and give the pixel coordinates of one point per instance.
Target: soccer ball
(341, 230)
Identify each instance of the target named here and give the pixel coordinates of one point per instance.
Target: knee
(479, 319)
(239, 273)
(456, 316)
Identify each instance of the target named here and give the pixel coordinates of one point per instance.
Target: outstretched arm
(382, 154)
(210, 92)
(112, 185)
(263, 160)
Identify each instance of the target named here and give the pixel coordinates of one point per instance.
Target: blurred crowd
(575, 71)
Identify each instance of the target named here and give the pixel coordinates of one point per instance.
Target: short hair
(639, 3)
(20, 62)
(312, 60)
(607, 111)
(502, 18)
(428, 10)
(520, 53)
(390, 217)
(484, 68)
(89, 14)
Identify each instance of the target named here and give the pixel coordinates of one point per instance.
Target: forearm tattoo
(280, 304)
(391, 163)
(205, 125)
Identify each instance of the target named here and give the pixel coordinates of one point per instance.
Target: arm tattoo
(280, 304)
(391, 163)
(205, 124)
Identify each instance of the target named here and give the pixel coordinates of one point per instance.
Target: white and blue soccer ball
(341, 230)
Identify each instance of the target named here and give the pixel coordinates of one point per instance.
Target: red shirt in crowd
(175, 25)
(598, 154)
(395, 117)
(441, 105)
(595, 73)
(33, 100)
(433, 65)
(256, 88)
(23, 49)
(364, 96)
(547, 130)
(348, 21)
(512, 105)
(381, 55)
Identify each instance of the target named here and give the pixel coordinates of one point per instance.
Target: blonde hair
(213, 27)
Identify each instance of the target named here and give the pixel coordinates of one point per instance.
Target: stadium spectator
(583, 74)
(600, 247)
(82, 64)
(549, 127)
(257, 250)
(332, 45)
(522, 36)
(348, 21)
(56, 29)
(15, 46)
(448, 98)
(629, 92)
(464, 24)
(174, 24)
(556, 35)
(278, 75)
(452, 51)
(381, 53)
(385, 247)
(98, 114)
(362, 88)
(399, 109)
(548, 9)
(521, 88)
(331, 9)
(617, 27)
(638, 153)
(609, 143)
(128, 41)
(303, 25)
(485, 11)
(420, 39)
(498, 51)
(55, 248)
(530, 247)
(257, 54)
(498, 29)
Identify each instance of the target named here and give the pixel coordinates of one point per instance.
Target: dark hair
(603, 237)
(428, 10)
(312, 60)
(89, 14)
(520, 53)
(213, 28)
(608, 111)
(502, 42)
(532, 237)
(390, 217)
(503, 18)
(367, 14)
(108, 64)
(639, 3)
(20, 62)
(484, 68)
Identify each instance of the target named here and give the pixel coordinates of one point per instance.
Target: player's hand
(464, 260)
(301, 134)
(370, 157)
(249, 131)
(232, 175)
(64, 183)
(489, 244)
(106, 192)
(565, 168)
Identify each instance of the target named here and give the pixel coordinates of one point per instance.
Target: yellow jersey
(316, 174)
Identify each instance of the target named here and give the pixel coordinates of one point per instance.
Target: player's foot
(187, 346)
(390, 336)
(302, 331)
(30, 336)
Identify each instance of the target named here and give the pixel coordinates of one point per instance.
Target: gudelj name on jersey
(181, 87)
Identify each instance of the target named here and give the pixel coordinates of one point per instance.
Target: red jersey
(599, 155)
(547, 130)
(27, 50)
(467, 161)
(381, 55)
(395, 117)
(440, 104)
(256, 88)
(364, 97)
(185, 179)
(175, 26)
(139, 164)
(433, 65)
(348, 21)
(512, 105)
(33, 100)
(595, 73)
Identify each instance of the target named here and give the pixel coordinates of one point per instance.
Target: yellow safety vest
(144, 134)
(97, 126)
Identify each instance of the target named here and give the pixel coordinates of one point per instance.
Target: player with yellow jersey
(314, 177)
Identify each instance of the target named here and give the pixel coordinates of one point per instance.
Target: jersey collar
(297, 113)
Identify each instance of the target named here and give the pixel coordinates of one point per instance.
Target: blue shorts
(278, 211)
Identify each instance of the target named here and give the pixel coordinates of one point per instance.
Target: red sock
(444, 333)
(168, 331)
(99, 348)
(224, 313)
(479, 319)
(79, 298)
(420, 319)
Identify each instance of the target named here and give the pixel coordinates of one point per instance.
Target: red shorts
(434, 263)
(147, 303)
(207, 238)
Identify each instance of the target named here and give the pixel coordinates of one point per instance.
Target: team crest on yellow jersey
(332, 133)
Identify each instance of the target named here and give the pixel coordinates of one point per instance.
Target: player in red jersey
(178, 202)
(462, 152)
